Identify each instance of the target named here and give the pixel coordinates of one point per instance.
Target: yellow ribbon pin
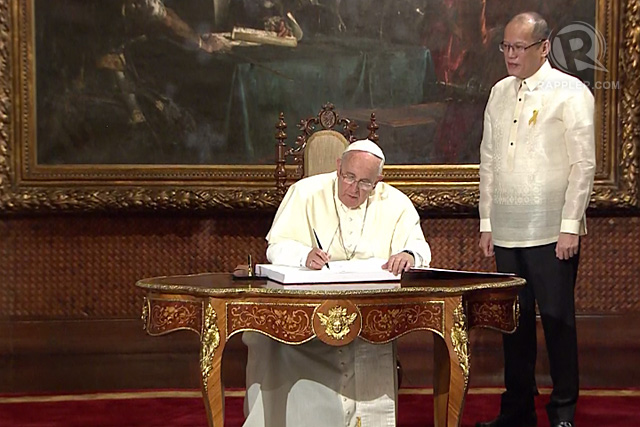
(533, 118)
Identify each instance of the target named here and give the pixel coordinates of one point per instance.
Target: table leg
(441, 374)
(212, 342)
(451, 371)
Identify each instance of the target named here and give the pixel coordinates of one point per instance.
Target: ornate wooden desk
(216, 306)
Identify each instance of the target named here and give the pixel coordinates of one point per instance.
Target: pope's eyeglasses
(517, 48)
(363, 184)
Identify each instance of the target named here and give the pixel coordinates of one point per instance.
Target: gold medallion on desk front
(384, 323)
(290, 323)
(337, 322)
(162, 316)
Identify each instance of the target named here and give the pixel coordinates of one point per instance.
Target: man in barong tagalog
(356, 217)
(537, 167)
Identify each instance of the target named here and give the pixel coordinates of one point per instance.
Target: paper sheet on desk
(353, 271)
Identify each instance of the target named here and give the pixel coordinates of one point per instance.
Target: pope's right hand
(316, 259)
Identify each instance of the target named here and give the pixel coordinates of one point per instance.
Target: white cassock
(314, 384)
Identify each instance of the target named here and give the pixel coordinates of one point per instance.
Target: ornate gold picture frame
(29, 184)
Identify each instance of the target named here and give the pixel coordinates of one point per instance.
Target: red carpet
(176, 408)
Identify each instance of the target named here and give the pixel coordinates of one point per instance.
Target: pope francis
(355, 216)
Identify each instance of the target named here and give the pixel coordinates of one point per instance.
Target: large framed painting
(171, 104)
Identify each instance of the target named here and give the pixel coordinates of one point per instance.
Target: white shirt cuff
(571, 226)
(485, 225)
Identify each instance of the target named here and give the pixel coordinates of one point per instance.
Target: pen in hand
(319, 245)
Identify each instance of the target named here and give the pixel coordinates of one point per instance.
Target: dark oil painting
(160, 82)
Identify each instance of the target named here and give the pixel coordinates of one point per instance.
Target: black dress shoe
(514, 420)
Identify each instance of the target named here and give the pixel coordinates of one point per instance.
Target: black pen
(319, 245)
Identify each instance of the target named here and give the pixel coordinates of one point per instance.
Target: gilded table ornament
(460, 341)
(337, 323)
(210, 340)
(145, 313)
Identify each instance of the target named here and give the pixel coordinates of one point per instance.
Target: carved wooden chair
(316, 151)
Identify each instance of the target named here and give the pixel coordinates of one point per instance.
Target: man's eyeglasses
(517, 48)
(363, 184)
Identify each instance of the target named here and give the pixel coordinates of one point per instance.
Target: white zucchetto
(368, 146)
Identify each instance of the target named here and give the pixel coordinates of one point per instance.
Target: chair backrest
(322, 150)
(316, 152)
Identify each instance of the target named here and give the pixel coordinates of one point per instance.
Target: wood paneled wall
(85, 267)
(67, 283)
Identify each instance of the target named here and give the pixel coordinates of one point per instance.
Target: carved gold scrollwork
(70, 199)
(209, 342)
(337, 323)
(630, 53)
(448, 200)
(6, 104)
(460, 341)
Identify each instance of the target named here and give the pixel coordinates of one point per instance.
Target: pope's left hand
(399, 262)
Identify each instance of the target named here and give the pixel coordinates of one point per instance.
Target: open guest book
(357, 275)
(444, 274)
(353, 271)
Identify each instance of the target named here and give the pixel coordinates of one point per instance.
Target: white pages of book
(354, 271)
(354, 286)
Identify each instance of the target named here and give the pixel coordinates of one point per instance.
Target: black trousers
(550, 283)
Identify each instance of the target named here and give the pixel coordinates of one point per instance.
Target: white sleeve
(486, 171)
(288, 252)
